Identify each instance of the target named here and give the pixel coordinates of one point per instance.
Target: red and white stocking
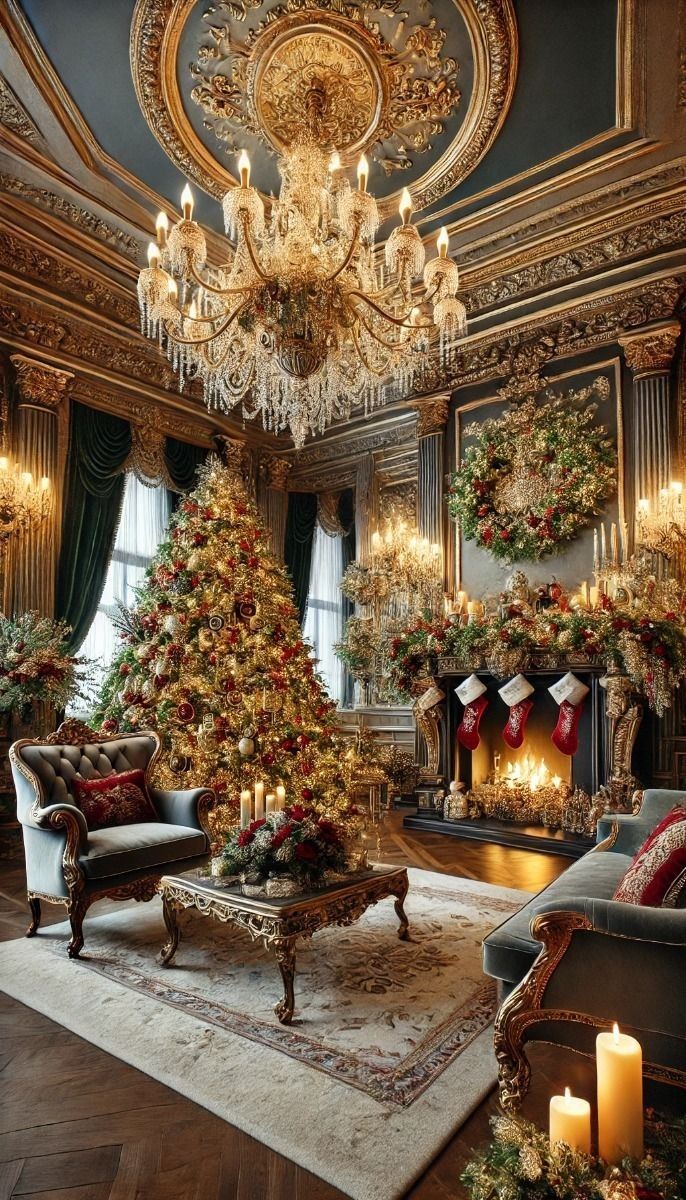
(516, 693)
(513, 733)
(468, 729)
(570, 693)
(565, 736)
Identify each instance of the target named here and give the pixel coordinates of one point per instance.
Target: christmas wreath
(534, 476)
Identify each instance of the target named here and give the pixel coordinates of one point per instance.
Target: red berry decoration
(267, 759)
(307, 795)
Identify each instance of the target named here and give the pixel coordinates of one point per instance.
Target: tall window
(324, 618)
(144, 516)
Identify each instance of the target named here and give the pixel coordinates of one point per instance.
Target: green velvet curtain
(300, 523)
(346, 516)
(182, 461)
(98, 448)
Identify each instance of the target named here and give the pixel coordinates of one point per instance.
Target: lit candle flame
(362, 173)
(153, 255)
(442, 243)
(615, 1033)
(244, 168)
(187, 203)
(334, 162)
(405, 206)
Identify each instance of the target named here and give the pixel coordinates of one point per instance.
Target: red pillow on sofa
(115, 800)
(658, 871)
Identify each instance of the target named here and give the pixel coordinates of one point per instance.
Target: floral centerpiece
(35, 664)
(534, 477)
(295, 850)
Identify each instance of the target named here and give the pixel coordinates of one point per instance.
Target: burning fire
(530, 774)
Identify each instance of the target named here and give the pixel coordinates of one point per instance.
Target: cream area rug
(389, 1052)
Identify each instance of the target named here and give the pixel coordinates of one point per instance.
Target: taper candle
(570, 1122)
(259, 801)
(619, 1066)
(246, 803)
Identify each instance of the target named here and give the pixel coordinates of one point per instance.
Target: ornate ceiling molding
(156, 32)
(83, 218)
(141, 413)
(561, 332)
(14, 116)
(275, 471)
(580, 251)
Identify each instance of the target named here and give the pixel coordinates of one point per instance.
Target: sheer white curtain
(324, 618)
(144, 516)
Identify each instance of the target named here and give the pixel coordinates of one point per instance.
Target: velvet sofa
(68, 864)
(573, 961)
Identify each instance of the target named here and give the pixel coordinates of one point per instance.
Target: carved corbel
(432, 414)
(649, 351)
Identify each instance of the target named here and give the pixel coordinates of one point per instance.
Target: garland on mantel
(535, 476)
(645, 638)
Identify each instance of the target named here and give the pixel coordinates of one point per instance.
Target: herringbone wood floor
(78, 1124)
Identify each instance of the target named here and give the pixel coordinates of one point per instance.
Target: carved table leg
(284, 949)
(34, 905)
(400, 911)
(169, 911)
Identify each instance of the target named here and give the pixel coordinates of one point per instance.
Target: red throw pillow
(657, 873)
(115, 800)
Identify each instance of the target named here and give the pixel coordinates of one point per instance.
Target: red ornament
(306, 794)
(267, 759)
(303, 740)
(185, 711)
(110, 725)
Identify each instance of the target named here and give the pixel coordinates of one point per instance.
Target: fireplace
(535, 795)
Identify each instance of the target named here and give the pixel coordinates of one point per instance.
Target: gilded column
(40, 437)
(432, 415)
(649, 353)
(366, 507)
(274, 475)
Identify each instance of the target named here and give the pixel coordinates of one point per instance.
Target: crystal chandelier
(411, 565)
(302, 324)
(24, 504)
(662, 529)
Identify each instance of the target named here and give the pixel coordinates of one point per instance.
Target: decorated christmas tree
(213, 659)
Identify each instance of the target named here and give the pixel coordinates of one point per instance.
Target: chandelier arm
(216, 291)
(180, 341)
(363, 359)
(381, 341)
(354, 241)
(402, 321)
(245, 223)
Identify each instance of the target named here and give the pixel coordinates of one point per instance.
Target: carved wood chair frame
(79, 899)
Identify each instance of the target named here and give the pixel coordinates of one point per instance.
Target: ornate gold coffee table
(278, 923)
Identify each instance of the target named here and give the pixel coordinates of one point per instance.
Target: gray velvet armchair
(68, 864)
(574, 960)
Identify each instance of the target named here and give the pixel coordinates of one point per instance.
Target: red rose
(245, 546)
(659, 650)
(504, 535)
(199, 539)
(307, 795)
(125, 669)
(245, 837)
(487, 535)
(533, 522)
(483, 510)
(110, 725)
(253, 561)
(296, 812)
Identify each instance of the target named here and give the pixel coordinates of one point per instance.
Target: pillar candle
(270, 802)
(259, 801)
(280, 797)
(570, 1122)
(596, 552)
(603, 544)
(619, 1065)
(593, 594)
(613, 544)
(246, 799)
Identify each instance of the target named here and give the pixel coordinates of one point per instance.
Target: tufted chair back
(55, 767)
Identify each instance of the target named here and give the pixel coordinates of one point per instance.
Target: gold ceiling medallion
(386, 95)
(383, 82)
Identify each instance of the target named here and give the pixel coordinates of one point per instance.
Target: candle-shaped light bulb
(187, 203)
(193, 310)
(334, 162)
(643, 505)
(44, 483)
(442, 243)
(4, 463)
(362, 173)
(405, 206)
(172, 290)
(415, 316)
(153, 255)
(244, 168)
(162, 228)
(677, 488)
(26, 478)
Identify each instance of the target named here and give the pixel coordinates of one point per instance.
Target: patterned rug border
(398, 1086)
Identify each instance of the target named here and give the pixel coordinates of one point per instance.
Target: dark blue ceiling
(565, 91)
